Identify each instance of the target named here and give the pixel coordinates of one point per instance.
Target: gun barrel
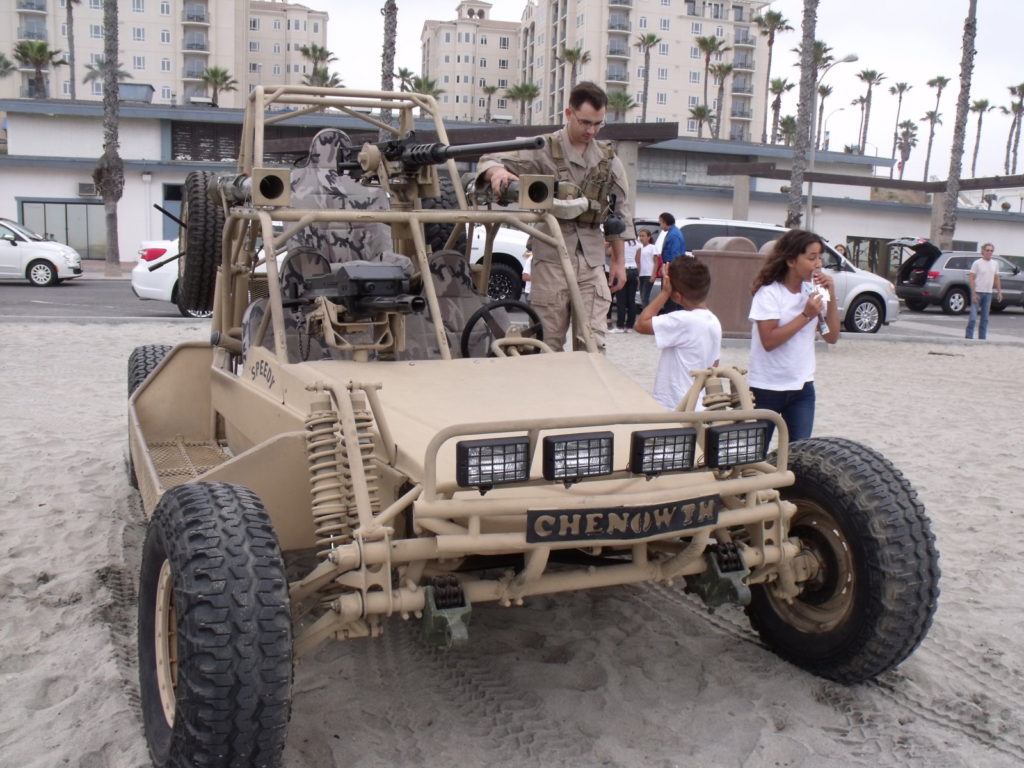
(405, 303)
(415, 155)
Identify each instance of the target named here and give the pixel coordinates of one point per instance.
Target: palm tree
(821, 54)
(859, 102)
(38, 55)
(938, 83)
(489, 91)
(824, 91)
(405, 77)
(897, 90)
(70, 21)
(575, 58)
(906, 141)
(776, 88)
(933, 118)
(1016, 111)
(322, 78)
(770, 24)
(426, 85)
(720, 71)
(319, 57)
(787, 129)
(956, 156)
(218, 79)
(6, 66)
(872, 78)
(804, 116)
(702, 114)
(524, 93)
(981, 106)
(710, 46)
(98, 71)
(108, 174)
(644, 43)
(620, 102)
(387, 62)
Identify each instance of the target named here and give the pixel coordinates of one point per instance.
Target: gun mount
(366, 289)
(405, 156)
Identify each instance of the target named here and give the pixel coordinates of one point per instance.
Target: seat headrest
(734, 244)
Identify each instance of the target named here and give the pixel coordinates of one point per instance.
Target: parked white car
(155, 276)
(24, 255)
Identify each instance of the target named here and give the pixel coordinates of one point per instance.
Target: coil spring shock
(364, 429)
(330, 477)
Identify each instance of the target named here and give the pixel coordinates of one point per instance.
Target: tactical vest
(596, 185)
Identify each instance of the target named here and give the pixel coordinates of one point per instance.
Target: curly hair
(789, 246)
(691, 278)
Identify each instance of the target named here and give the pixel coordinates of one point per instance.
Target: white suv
(506, 261)
(866, 301)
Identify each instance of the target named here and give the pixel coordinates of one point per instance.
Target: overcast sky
(908, 41)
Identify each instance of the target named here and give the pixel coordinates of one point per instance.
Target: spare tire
(437, 235)
(199, 243)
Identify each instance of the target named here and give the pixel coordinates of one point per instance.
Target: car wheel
(916, 305)
(504, 284)
(872, 599)
(865, 316)
(955, 302)
(215, 634)
(198, 314)
(199, 243)
(41, 273)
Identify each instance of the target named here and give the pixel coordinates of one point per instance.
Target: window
(96, 30)
(95, 58)
(694, 52)
(139, 34)
(254, 24)
(663, 49)
(502, 103)
(277, 24)
(254, 46)
(64, 30)
(277, 69)
(579, 20)
(138, 62)
(503, 83)
(483, 63)
(697, 28)
(717, 11)
(502, 63)
(295, 67)
(165, 64)
(165, 8)
(719, 31)
(483, 39)
(666, 2)
(695, 78)
(483, 83)
(503, 43)
(277, 47)
(96, 5)
(693, 101)
(316, 27)
(66, 87)
(639, 97)
(254, 67)
(691, 125)
(639, 73)
(97, 88)
(447, 37)
(663, 73)
(481, 102)
(447, 59)
(445, 79)
(663, 25)
(165, 92)
(445, 98)
(165, 36)
(643, 22)
(661, 98)
(138, 6)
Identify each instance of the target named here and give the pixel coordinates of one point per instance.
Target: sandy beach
(637, 676)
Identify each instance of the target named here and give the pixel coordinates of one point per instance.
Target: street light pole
(814, 138)
(824, 127)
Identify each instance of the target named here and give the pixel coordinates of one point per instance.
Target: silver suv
(866, 301)
(932, 276)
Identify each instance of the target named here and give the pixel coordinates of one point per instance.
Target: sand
(637, 676)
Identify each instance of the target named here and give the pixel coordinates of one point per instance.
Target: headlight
(572, 457)
(483, 463)
(729, 445)
(653, 451)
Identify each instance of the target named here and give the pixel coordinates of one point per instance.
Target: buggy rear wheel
(872, 599)
(215, 637)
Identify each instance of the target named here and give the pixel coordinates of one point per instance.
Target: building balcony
(31, 6)
(196, 45)
(195, 16)
(743, 88)
(619, 51)
(193, 73)
(626, 3)
(618, 24)
(741, 114)
(617, 76)
(745, 39)
(32, 33)
(743, 62)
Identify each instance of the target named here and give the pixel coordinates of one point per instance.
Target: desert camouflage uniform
(585, 242)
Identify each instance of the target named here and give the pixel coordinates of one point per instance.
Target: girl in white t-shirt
(645, 259)
(793, 300)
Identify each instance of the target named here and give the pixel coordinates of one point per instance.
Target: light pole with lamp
(814, 138)
(824, 128)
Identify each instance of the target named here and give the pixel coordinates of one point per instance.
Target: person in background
(689, 338)
(841, 249)
(625, 300)
(645, 266)
(673, 247)
(527, 281)
(793, 301)
(984, 277)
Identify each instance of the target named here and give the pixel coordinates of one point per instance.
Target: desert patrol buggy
(366, 438)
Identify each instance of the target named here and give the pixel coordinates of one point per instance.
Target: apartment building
(167, 44)
(608, 30)
(470, 53)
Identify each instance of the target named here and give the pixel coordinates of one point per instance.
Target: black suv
(932, 276)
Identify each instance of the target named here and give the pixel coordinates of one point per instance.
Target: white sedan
(155, 277)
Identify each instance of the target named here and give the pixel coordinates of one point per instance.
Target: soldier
(574, 155)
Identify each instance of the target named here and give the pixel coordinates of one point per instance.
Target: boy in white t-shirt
(690, 339)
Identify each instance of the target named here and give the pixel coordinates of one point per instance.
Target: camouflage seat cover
(458, 300)
(318, 185)
(298, 267)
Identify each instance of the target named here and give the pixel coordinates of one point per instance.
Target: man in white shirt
(983, 277)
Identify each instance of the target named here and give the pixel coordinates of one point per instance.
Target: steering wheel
(486, 316)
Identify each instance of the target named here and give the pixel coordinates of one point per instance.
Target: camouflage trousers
(549, 296)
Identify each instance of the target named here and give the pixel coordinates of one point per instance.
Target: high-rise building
(605, 35)
(166, 44)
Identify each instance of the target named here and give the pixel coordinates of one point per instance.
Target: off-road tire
(41, 273)
(873, 599)
(199, 243)
(956, 301)
(916, 305)
(215, 630)
(142, 361)
(504, 283)
(865, 315)
(437, 235)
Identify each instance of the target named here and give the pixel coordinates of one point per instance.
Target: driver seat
(458, 300)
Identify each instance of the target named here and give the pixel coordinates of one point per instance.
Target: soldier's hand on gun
(500, 178)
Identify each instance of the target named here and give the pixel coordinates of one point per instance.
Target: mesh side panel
(181, 461)
(258, 288)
